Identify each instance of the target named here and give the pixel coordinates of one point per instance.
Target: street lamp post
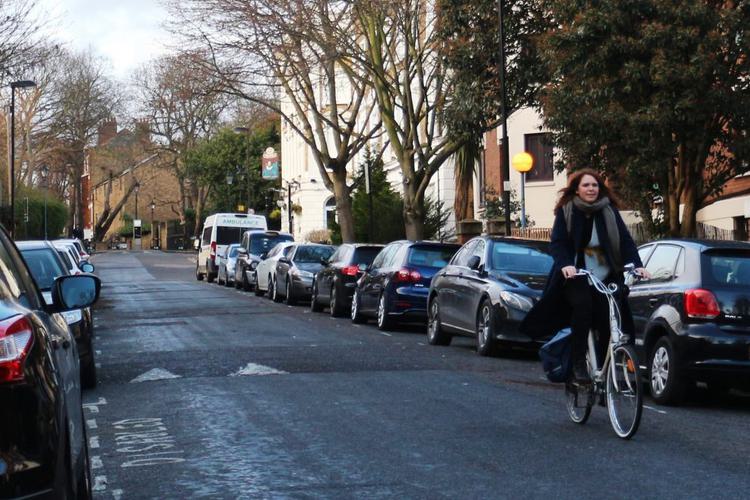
(152, 206)
(523, 162)
(20, 84)
(504, 120)
(45, 174)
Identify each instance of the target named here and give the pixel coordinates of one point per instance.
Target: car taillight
(213, 250)
(350, 270)
(15, 343)
(406, 275)
(701, 303)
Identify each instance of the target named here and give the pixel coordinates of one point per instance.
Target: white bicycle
(619, 378)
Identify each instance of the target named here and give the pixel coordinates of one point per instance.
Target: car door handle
(653, 301)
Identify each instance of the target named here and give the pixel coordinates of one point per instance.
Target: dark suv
(395, 287)
(253, 248)
(43, 448)
(692, 317)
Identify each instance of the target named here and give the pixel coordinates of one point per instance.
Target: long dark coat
(552, 313)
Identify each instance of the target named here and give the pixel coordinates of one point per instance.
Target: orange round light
(522, 162)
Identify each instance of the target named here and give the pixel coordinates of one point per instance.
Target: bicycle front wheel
(624, 392)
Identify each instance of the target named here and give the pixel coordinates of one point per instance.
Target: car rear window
(43, 265)
(431, 256)
(727, 269)
(520, 258)
(226, 235)
(263, 243)
(233, 251)
(309, 254)
(365, 255)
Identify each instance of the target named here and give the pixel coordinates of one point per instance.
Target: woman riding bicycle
(588, 233)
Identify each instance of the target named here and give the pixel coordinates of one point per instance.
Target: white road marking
(655, 409)
(384, 333)
(98, 352)
(94, 407)
(255, 369)
(96, 462)
(100, 483)
(154, 374)
(94, 442)
(91, 423)
(117, 494)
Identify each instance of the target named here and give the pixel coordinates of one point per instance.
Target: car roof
(704, 244)
(268, 231)
(425, 242)
(34, 244)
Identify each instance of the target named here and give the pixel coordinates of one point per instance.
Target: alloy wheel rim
(333, 299)
(432, 319)
(484, 325)
(660, 370)
(381, 310)
(288, 289)
(354, 305)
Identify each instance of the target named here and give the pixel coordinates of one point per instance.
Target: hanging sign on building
(270, 164)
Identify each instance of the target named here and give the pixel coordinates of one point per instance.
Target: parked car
(395, 287)
(254, 246)
(78, 245)
(71, 248)
(46, 265)
(296, 269)
(68, 260)
(226, 260)
(486, 290)
(266, 268)
(692, 318)
(43, 449)
(334, 285)
(218, 231)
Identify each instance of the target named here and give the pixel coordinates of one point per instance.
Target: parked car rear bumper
(409, 302)
(709, 348)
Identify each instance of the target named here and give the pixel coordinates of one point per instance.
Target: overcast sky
(126, 32)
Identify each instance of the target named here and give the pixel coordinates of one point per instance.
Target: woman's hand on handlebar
(569, 271)
(643, 273)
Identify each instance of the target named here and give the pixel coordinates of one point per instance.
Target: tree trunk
(343, 205)
(107, 218)
(674, 198)
(688, 227)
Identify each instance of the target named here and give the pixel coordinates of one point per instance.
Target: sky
(127, 33)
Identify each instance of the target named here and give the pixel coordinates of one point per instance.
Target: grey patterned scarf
(603, 205)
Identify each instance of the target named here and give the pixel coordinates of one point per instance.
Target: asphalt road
(209, 392)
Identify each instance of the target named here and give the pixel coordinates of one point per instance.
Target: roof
(705, 244)
(34, 244)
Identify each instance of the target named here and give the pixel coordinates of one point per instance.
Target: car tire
(258, 292)
(336, 309)
(384, 321)
(666, 379)
(436, 335)
(356, 314)
(88, 370)
(239, 283)
(314, 305)
(209, 277)
(289, 298)
(486, 326)
(198, 274)
(274, 288)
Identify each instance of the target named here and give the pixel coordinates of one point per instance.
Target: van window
(206, 238)
(226, 235)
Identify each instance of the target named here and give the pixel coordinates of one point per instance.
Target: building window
(539, 146)
(330, 212)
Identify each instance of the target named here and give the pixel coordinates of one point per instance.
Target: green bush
(29, 214)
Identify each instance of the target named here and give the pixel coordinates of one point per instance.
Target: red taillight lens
(16, 336)
(701, 303)
(350, 270)
(213, 250)
(406, 275)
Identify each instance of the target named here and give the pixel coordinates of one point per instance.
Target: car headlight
(303, 274)
(72, 317)
(253, 265)
(516, 301)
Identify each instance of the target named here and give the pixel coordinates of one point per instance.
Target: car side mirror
(196, 244)
(284, 260)
(87, 267)
(241, 251)
(263, 255)
(75, 292)
(474, 262)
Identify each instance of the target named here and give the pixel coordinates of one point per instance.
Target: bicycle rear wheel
(578, 400)
(624, 392)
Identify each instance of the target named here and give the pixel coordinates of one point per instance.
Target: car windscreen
(43, 265)
(66, 259)
(726, 268)
(518, 258)
(312, 254)
(233, 251)
(226, 235)
(365, 255)
(432, 255)
(263, 243)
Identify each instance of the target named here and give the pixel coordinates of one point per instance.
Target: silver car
(226, 260)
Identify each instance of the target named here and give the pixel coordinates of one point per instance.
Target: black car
(692, 317)
(295, 272)
(395, 287)
(486, 291)
(45, 265)
(334, 284)
(43, 449)
(253, 248)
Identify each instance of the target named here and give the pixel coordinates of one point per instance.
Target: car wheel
(385, 322)
(485, 329)
(198, 274)
(88, 370)
(336, 309)
(239, 283)
(435, 333)
(356, 314)
(289, 298)
(257, 290)
(274, 287)
(668, 385)
(314, 305)
(209, 277)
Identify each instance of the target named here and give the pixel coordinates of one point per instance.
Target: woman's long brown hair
(568, 192)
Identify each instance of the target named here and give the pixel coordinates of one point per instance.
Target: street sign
(136, 229)
(270, 164)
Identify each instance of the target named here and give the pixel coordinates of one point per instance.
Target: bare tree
(18, 30)
(287, 55)
(183, 103)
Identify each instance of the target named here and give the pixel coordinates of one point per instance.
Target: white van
(220, 230)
